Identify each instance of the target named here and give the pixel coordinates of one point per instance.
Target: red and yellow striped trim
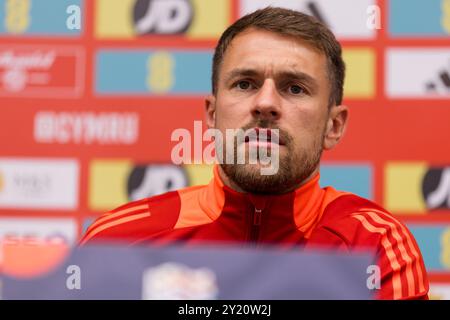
(406, 248)
(115, 218)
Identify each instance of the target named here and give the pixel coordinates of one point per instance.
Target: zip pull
(257, 217)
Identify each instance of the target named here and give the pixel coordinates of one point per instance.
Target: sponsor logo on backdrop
(175, 281)
(144, 72)
(41, 71)
(31, 17)
(431, 76)
(416, 187)
(145, 181)
(39, 184)
(441, 82)
(103, 128)
(347, 18)
(35, 246)
(195, 19)
(436, 188)
(162, 17)
(54, 230)
(434, 16)
(115, 182)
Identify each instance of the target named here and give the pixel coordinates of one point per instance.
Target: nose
(267, 104)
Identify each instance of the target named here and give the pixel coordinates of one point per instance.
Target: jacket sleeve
(402, 270)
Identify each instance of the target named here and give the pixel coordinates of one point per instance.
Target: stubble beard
(294, 169)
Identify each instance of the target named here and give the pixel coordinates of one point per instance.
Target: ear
(336, 125)
(210, 105)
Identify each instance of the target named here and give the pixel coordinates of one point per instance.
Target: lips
(263, 135)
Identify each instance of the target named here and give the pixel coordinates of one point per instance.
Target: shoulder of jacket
(136, 218)
(359, 221)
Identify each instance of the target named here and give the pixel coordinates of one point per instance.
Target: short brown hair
(295, 24)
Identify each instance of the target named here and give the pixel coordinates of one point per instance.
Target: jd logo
(441, 84)
(436, 188)
(146, 181)
(162, 16)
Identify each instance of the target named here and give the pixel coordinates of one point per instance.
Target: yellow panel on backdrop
(199, 174)
(107, 183)
(403, 183)
(360, 73)
(114, 18)
(210, 19)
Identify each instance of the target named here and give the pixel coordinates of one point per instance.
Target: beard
(295, 166)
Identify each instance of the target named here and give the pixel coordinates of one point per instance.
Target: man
(281, 72)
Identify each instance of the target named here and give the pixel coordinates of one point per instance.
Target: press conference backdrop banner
(91, 91)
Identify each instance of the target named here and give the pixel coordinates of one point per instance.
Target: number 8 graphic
(160, 66)
(17, 18)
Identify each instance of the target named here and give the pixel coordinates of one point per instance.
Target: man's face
(268, 80)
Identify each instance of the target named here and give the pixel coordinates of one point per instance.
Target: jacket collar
(301, 209)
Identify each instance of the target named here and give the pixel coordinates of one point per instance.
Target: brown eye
(296, 89)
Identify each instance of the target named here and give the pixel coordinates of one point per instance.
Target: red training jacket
(308, 217)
